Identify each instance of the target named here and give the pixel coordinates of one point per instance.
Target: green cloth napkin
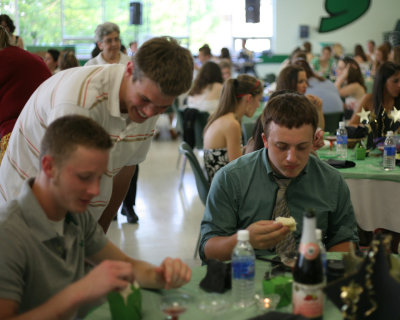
(131, 309)
(281, 285)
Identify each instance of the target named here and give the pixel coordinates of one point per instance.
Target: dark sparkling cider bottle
(308, 277)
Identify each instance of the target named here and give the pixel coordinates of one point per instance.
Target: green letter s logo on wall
(342, 12)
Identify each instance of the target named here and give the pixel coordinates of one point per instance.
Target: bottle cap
(310, 213)
(389, 134)
(243, 235)
(318, 234)
(341, 124)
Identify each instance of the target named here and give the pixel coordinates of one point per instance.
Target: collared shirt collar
(271, 171)
(33, 214)
(115, 87)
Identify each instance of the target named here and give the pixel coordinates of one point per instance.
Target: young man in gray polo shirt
(46, 233)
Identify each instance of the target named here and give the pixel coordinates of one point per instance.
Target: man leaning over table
(243, 193)
(46, 233)
(125, 100)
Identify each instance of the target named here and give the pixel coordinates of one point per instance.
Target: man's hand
(107, 276)
(265, 234)
(173, 273)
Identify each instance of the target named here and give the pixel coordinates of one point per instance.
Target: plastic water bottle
(341, 141)
(318, 234)
(389, 153)
(243, 270)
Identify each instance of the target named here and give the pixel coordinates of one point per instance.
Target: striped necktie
(288, 244)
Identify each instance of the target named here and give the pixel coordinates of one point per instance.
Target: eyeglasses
(110, 40)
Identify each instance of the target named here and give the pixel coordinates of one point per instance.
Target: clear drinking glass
(174, 303)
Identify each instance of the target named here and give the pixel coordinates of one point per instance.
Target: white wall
(381, 17)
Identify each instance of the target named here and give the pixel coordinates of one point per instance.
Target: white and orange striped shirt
(91, 91)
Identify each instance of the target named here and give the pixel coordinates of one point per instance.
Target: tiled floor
(169, 219)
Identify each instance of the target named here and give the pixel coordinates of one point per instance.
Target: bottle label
(341, 139)
(389, 151)
(309, 250)
(243, 268)
(308, 300)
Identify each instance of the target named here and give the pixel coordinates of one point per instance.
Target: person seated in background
(323, 64)
(308, 50)
(226, 69)
(8, 24)
(322, 88)
(294, 78)
(15, 87)
(385, 95)
(225, 55)
(292, 57)
(109, 42)
(203, 57)
(244, 193)
(396, 54)
(133, 46)
(361, 58)
(47, 234)
(51, 60)
(381, 56)
(371, 51)
(206, 89)
(389, 48)
(350, 84)
(337, 51)
(223, 133)
(67, 60)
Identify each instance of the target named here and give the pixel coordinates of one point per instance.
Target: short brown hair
(65, 134)
(165, 62)
(289, 110)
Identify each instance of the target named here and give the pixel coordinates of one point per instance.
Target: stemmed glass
(174, 303)
(331, 139)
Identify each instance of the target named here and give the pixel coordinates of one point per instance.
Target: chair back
(247, 131)
(202, 184)
(199, 124)
(193, 124)
(332, 121)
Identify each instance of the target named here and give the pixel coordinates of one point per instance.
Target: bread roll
(289, 222)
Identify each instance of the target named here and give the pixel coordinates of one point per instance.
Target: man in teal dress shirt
(243, 193)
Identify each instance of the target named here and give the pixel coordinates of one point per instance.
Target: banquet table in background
(151, 301)
(374, 192)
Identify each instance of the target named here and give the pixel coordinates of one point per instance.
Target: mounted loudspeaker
(252, 11)
(135, 13)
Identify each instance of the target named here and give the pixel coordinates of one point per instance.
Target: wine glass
(331, 139)
(174, 303)
(213, 303)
